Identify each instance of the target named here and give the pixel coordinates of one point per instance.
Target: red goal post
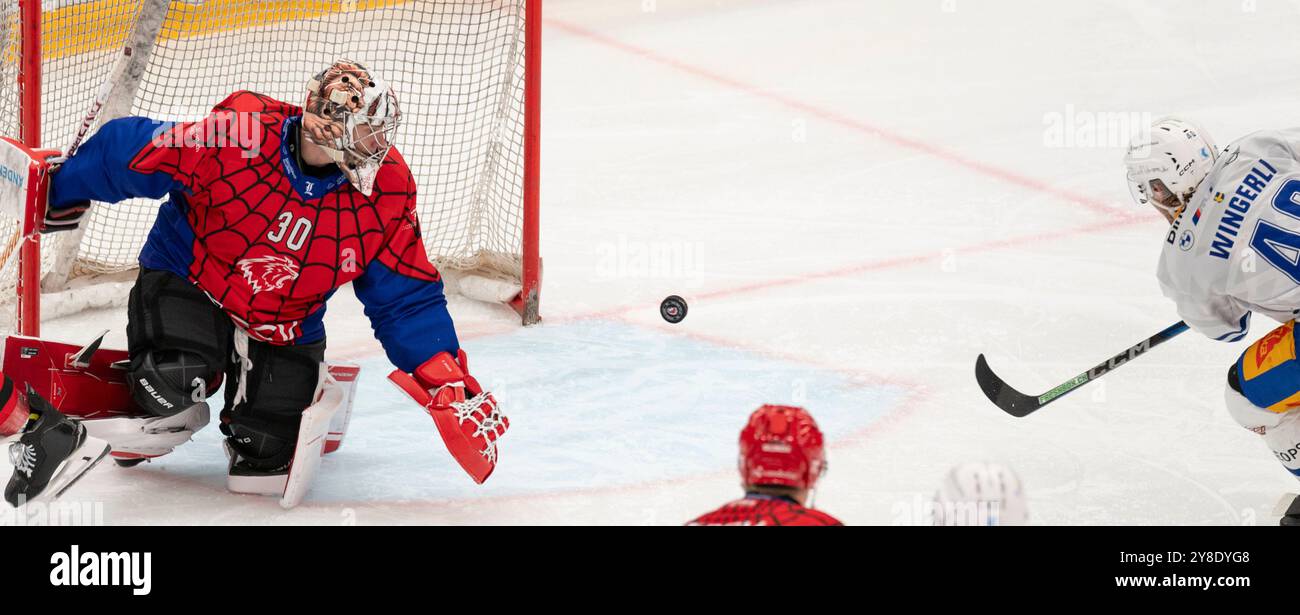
(468, 74)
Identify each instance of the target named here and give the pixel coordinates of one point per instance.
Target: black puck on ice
(673, 309)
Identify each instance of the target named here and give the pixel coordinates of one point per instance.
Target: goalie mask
(1166, 166)
(352, 113)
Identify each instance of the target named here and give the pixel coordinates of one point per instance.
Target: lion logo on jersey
(266, 273)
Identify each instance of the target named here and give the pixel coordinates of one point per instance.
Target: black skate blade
(91, 458)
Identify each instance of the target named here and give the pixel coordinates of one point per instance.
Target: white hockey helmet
(363, 110)
(1168, 164)
(980, 494)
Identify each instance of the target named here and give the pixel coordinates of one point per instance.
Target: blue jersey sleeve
(102, 169)
(409, 316)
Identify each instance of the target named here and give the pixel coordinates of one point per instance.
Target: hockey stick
(112, 100)
(1018, 404)
(126, 73)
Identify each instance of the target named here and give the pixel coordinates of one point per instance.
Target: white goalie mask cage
(366, 107)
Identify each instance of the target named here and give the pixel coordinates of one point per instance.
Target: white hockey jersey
(1235, 249)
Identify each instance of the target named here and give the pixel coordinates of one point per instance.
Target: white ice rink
(857, 197)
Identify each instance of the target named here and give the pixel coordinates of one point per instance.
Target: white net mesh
(456, 65)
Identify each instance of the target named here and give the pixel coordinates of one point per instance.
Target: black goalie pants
(182, 347)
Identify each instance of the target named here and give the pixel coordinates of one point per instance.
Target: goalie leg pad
(345, 375)
(178, 341)
(261, 444)
(277, 383)
(293, 483)
(168, 382)
(313, 436)
(143, 437)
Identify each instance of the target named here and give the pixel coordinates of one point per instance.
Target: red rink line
(914, 392)
(912, 395)
(879, 265)
(836, 118)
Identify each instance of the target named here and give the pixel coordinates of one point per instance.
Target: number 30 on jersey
(297, 237)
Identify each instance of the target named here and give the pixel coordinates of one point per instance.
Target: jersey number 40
(1277, 245)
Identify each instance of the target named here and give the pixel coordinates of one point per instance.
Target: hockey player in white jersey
(1233, 249)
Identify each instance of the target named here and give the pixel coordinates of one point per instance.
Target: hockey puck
(673, 309)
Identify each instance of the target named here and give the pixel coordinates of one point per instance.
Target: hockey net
(464, 70)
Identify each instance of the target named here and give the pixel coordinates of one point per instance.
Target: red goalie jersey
(265, 237)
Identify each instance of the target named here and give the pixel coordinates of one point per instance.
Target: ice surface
(856, 198)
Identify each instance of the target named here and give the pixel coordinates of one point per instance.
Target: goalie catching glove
(467, 416)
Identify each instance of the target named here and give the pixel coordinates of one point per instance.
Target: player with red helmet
(782, 455)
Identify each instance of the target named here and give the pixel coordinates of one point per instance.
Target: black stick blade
(1011, 401)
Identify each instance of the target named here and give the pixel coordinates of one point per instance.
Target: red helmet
(781, 446)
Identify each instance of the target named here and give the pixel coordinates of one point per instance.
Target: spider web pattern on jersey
(767, 513)
(267, 254)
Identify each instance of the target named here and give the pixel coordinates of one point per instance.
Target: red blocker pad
(23, 172)
(96, 391)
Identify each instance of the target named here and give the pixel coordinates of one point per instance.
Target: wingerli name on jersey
(1235, 213)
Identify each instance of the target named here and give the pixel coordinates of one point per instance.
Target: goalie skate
(50, 456)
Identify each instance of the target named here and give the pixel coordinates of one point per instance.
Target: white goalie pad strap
(141, 436)
(245, 365)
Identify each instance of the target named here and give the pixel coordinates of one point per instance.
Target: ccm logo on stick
(92, 569)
